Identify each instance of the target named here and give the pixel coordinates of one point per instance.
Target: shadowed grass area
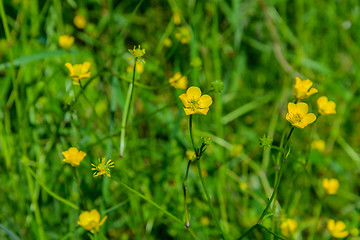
(260, 177)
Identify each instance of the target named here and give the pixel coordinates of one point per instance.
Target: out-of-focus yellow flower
(331, 185)
(178, 81)
(243, 186)
(78, 71)
(298, 115)
(176, 17)
(80, 21)
(288, 227)
(191, 156)
(73, 156)
(137, 53)
(302, 89)
(326, 107)
(195, 103)
(167, 42)
(139, 68)
(103, 168)
(318, 145)
(183, 34)
(236, 150)
(90, 220)
(204, 221)
(337, 229)
(66, 41)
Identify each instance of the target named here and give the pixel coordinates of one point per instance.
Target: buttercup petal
(202, 111)
(85, 67)
(307, 84)
(184, 99)
(312, 91)
(193, 92)
(322, 100)
(302, 108)
(309, 118)
(331, 225)
(189, 111)
(69, 67)
(205, 101)
(292, 108)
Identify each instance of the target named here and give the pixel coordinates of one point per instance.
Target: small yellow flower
(78, 71)
(183, 34)
(318, 145)
(298, 115)
(139, 68)
(103, 168)
(326, 107)
(195, 103)
(80, 21)
(73, 156)
(191, 156)
(90, 220)
(330, 185)
(176, 18)
(137, 53)
(302, 88)
(288, 227)
(337, 229)
(66, 41)
(178, 81)
(167, 42)
(204, 221)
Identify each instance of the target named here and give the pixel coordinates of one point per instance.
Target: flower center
(297, 117)
(194, 103)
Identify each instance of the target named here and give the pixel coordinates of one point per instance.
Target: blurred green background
(253, 49)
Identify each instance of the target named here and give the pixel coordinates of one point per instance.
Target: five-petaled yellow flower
(337, 229)
(288, 227)
(326, 107)
(90, 220)
(103, 168)
(80, 21)
(183, 34)
(298, 115)
(78, 71)
(137, 53)
(66, 41)
(195, 103)
(331, 185)
(302, 89)
(178, 81)
(73, 156)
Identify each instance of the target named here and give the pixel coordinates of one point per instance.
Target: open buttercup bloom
(178, 81)
(73, 156)
(326, 107)
(90, 220)
(298, 115)
(80, 21)
(78, 71)
(195, 103)
(330, 185)
(66, 41)
(288, 227)
(103, 168)
(337, 229)
(302, 88)
(137, 53)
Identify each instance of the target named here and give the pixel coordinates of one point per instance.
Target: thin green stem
(126, 111)
(81, 192)
(51, 193)
(154, 204)
(187, 220)
(192, 137)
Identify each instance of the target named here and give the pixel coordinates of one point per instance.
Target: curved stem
(126, 111)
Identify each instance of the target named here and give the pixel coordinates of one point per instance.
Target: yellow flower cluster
(90, 220)
(194, 102)
(183, 34)
(330, 185)
(337, 229)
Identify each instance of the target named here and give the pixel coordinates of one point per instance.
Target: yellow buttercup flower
(288, 227)
(183, 34)
(73, 156)
(90, 220)
(302, 89)
(137, 53)
(78, 71)
(167, 42)
(80, 21)
(331, 185)
(195, 103)
(337, 229)
(298, 115)
(326, 107)
(318, 145)
(178, 81)
(66, 41)
(102, 168)
(139, 68)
